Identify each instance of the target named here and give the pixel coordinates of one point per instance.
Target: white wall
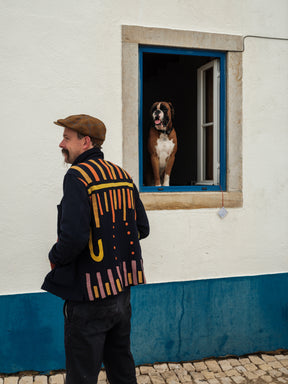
(64, 57)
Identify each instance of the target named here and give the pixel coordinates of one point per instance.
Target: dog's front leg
(156, 170)
(168, 170)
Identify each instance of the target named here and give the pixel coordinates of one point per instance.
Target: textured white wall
(64, 57)
(254, 239)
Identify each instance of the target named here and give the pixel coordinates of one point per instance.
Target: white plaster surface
(64, 57)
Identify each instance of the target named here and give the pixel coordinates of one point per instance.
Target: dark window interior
(173, 78)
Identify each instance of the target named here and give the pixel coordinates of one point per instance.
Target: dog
(162, 142)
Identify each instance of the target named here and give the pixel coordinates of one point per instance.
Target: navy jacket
(100, 222)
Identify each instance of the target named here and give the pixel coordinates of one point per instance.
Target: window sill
(190, 200)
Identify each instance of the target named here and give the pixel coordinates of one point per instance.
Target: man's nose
(61, 145)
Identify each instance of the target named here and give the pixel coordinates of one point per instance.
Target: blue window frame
(170, 74)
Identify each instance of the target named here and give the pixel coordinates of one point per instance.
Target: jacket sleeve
(141, 216)
(73, 222)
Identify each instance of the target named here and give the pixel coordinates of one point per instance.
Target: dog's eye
(164, 109)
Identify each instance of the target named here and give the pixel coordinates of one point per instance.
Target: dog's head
(162, 113)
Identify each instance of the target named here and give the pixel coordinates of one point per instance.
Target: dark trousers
(99, 332)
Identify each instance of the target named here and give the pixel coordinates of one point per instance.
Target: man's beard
(65, 152)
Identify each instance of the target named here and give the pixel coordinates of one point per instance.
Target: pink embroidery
(100, 284)
(88, 285)
(134, 272)
(119, 274)
(125, 274)
(111, 279)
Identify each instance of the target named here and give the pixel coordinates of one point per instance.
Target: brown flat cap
(86, 125)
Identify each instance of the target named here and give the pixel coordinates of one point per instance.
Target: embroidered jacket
(100, 222)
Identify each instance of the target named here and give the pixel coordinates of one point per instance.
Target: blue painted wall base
(171, 322)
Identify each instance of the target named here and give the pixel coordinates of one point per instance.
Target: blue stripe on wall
(193, 320)
(171, 322)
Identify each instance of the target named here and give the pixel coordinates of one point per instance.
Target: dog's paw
(166, 182)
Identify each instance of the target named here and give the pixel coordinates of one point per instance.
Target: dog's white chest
(164, 148)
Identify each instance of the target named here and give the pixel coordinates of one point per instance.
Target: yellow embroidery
(96, 292)
(119, 285)
(140, 279)
(107, 286)
(115, 199)
(83, 173)
(130, 278)
(106, 202)
(100, 169)
(99, 257)
(109, 185)
(124, 204)
(95, 210)
(125, 174)
(132, 199)
(112, 170)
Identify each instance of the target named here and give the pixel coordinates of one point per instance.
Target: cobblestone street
(259, 369)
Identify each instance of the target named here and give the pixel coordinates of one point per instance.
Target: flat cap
(86, 125)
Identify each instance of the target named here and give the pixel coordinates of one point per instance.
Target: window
(213, 159)
(208, 125)
(194, 81)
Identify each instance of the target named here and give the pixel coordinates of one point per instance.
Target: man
(97, 256)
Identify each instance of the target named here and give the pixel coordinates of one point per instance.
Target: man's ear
(87, 142)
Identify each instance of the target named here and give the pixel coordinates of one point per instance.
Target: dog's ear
(172, 110)
(152, 107)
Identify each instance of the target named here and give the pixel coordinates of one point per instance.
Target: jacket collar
(91, 153)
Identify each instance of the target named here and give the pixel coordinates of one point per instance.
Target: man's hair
(94, 141)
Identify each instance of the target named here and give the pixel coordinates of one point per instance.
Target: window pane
(208, 101)
(208, 152)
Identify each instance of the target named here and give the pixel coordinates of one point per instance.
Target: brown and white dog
(162, 142)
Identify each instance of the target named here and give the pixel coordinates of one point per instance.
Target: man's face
(71, 145)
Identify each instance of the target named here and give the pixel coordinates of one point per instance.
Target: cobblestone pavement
(258, 369)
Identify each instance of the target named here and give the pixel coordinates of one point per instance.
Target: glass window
(194, 82)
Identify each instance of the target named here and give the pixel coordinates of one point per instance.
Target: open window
(208, 125)
(194, 82)
(165, 64)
